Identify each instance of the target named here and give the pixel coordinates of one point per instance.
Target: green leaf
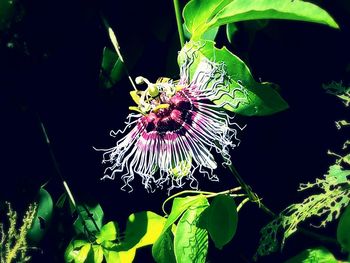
(201, 15)
(111, 69)
(197, 12)
(180, 205)
(109, 232)
(97, 253)
(112, 256)
(243, 94)
(69, 253)
(191, 242)
(91, 215)
(220, 219)
(43, 216)
(313, 255)
(115, 256)
(83, 253)
(77, 251)
(142, 229)
(241, 10)
(211, 33)
(163, 249)
(72, 250)
(343, 230)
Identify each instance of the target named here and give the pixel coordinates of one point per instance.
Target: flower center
(171, 118)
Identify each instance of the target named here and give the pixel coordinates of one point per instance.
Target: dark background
(50, 72)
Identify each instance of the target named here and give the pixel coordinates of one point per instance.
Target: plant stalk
(57, 168)
(251, 195)
(179, 22)
(65, 185)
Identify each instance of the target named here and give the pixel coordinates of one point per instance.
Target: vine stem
(65, 185)
(239, 207)
(251, 195)
(179, 22)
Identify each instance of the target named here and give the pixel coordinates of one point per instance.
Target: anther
(140, 80)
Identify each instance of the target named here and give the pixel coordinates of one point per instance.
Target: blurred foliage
(6, 12)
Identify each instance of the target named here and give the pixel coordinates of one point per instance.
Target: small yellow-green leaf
(83, 253)
(69, 253)
(72, 250)
(114, 256)
(109, 232)
(111, 256)
(98, 253)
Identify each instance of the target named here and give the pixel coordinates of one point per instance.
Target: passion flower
(175, 130)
